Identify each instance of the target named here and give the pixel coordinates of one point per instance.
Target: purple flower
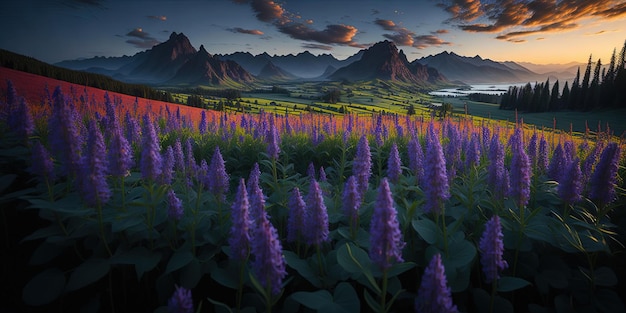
(472, 156)
(310, 171)
(181, 301)
(120, 155)
(532, 149)
(570, 189)
(268, 264)
(416, 157)
(436, 188)
(175, 206)
(542, 157)
(557, 165)
(218, 179)
(273, 141)
(64, 137)
(21, 120)
(256, 196)
(296, 219)
(433, 295)
(168, 166)
(351, 201)
(190, 162)
(492, 247)
(202, 127)
(362, 165)
(150, 156)
(92, 181)
(179, 156)
(590, 161)
(323, 175)
(132, 130)
(520, 170)
(452, 149)
(42, 164)
(394, 164)
(239, 239)
(385, 237)
(604, 179)
(317, 216)
(497, 176)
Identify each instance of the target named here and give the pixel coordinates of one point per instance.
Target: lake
(489, 89)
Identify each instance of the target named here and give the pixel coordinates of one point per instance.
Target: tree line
(602, 87)
(26, 64)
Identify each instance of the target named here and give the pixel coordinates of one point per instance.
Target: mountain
(273, 72)
(384, 61)
(203, 68)
(303, 64)
(161, 62)
(98, 63)
(476, 69)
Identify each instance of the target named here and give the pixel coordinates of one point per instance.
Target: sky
(537, 31)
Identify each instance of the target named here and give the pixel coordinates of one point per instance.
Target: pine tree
(584, 89)
(554, 97)
(593, 94)
(575, 92)
(544, 98)
(565, 96)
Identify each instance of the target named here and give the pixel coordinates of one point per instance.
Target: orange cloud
(246, 31)
(515, 18)
(404, 37)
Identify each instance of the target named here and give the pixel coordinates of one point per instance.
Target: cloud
(141, 39)
(316, 46)
(441, 31)
(375, 12)
(246, 31)
(404, 37)
(332, 34)
(517, 18)
(287, 23)
(424, 41)
(77, 4)
(158, 17)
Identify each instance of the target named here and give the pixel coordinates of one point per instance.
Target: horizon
(539, 32)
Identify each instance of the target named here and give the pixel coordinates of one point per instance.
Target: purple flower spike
(497, 176)
(520, 170)
(362, 165)
(218, 177)
(175, 206)
(604, 179)
(297, 211)
(239, 239)
(492, 247)
(120, 155)
(22, 122)
(268, 265)
(542, 155)
(310, 171)
(181, 301)
(394, 164)
(570, 189)
(416, 158)
(179, 156)
(151, 161)
(436, 188)
(556, 169)
(317, 216)
(472, 156)
(253, 178)
(434, 296)
(92, 181)
(168, 166)
(42, 165)
(273, 142)
(385, 237)
(202, 127)
(64, 137)
(323, 175)
(351, 201)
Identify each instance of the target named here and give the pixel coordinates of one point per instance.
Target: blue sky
(539, 31)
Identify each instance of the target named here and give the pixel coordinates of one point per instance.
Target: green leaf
(508, 283)
(87, 273)
(179, 259)
(608, 301)
(44, 288)
(399, 268)
(191, 274)
(303, 268)
(228, 276)
(428, 230)
(371, 302)
(604, 276)
(143, 259)
(345, 297)
(44, 253)
(313, 300)
(353, 259)
(460, 254)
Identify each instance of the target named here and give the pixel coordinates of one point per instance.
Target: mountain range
(176, 62)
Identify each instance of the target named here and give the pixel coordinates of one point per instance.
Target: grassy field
(379, 96)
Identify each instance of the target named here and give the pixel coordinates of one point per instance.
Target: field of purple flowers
(108, 210)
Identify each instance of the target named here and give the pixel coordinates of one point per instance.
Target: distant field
(576, 121)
